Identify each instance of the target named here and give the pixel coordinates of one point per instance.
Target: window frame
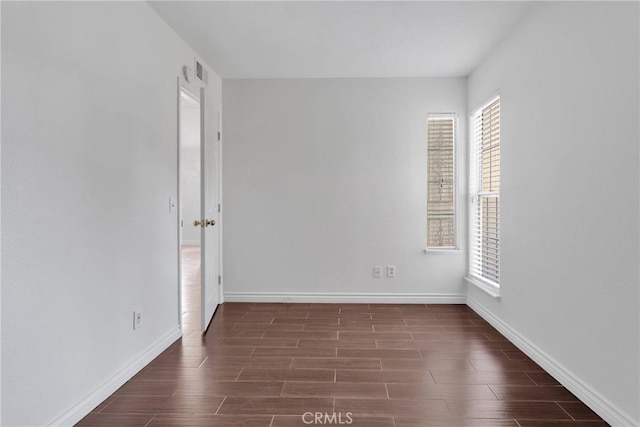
(475, 194)
(456, 235)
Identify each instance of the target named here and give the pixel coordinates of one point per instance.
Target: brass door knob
(198, 223)
(210, 222)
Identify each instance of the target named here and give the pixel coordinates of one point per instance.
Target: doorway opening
(189, 212)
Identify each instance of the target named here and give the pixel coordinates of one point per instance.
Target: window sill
(442, 251)
(484, 285)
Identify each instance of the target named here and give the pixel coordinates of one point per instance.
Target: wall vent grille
(201, 73)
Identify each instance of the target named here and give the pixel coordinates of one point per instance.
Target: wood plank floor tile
(373, 322)
(258, 374)
(485, 327)
(260, 342)
(115, 420)
(515, 355)
(260, 317)
(505, 365)
(327, 307)
(214, 351)
(298, 421)
(339, 328)
(542, 378)
(294, 352)
(456, 315)
(231, 388)
(242, 333)
(267, 318)
(468, 344)
(310, 335)
(352, 390)
(403, 316)
(425, 409)
(439, 391)
(447, 307)
(559, 423)
(299, 315)
(379, 353)
(579, 411)
(347, 315)
(177, 360)
(336, 363)
(210, 421)
(275, 405)
(407, 329)
(227, 373)
(319, 321)
(481, 377)
(367, 308)
(417, 324)
(147, 388)
(266, 328)
(396, 307)
(455, 351)
(104, 403)
(367, 376)
(346, 335)
(398, 344)
(164, 405)
(418, 422)
(506, 409)
(276, 306)
(363, 343)
(429, 364)
(528, 392)
(243, 362)
(431, 335)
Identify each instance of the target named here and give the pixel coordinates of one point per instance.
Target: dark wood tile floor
(265, 365)
(388, 365)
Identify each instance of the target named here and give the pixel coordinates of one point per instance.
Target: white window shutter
(441, 182)
(484, 186)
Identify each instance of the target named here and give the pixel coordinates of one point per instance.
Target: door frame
(183, 86)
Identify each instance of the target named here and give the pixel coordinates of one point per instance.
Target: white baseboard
(390, 298)
(598, 403)
(79, 410)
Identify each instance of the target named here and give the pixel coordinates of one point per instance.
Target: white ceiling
(306, 39)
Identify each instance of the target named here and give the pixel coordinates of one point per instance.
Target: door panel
(209, 152)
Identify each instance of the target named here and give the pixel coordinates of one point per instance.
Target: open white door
(210, 235)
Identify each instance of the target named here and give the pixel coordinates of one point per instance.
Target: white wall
(568, 78)
(325, 178)
(89, 161)
(190, 174)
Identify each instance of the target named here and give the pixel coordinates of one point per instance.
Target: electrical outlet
(377, 272)
(137, 320)
(391, 271)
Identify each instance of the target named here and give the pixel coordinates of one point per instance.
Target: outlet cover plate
(137, 320)
(391, 271)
